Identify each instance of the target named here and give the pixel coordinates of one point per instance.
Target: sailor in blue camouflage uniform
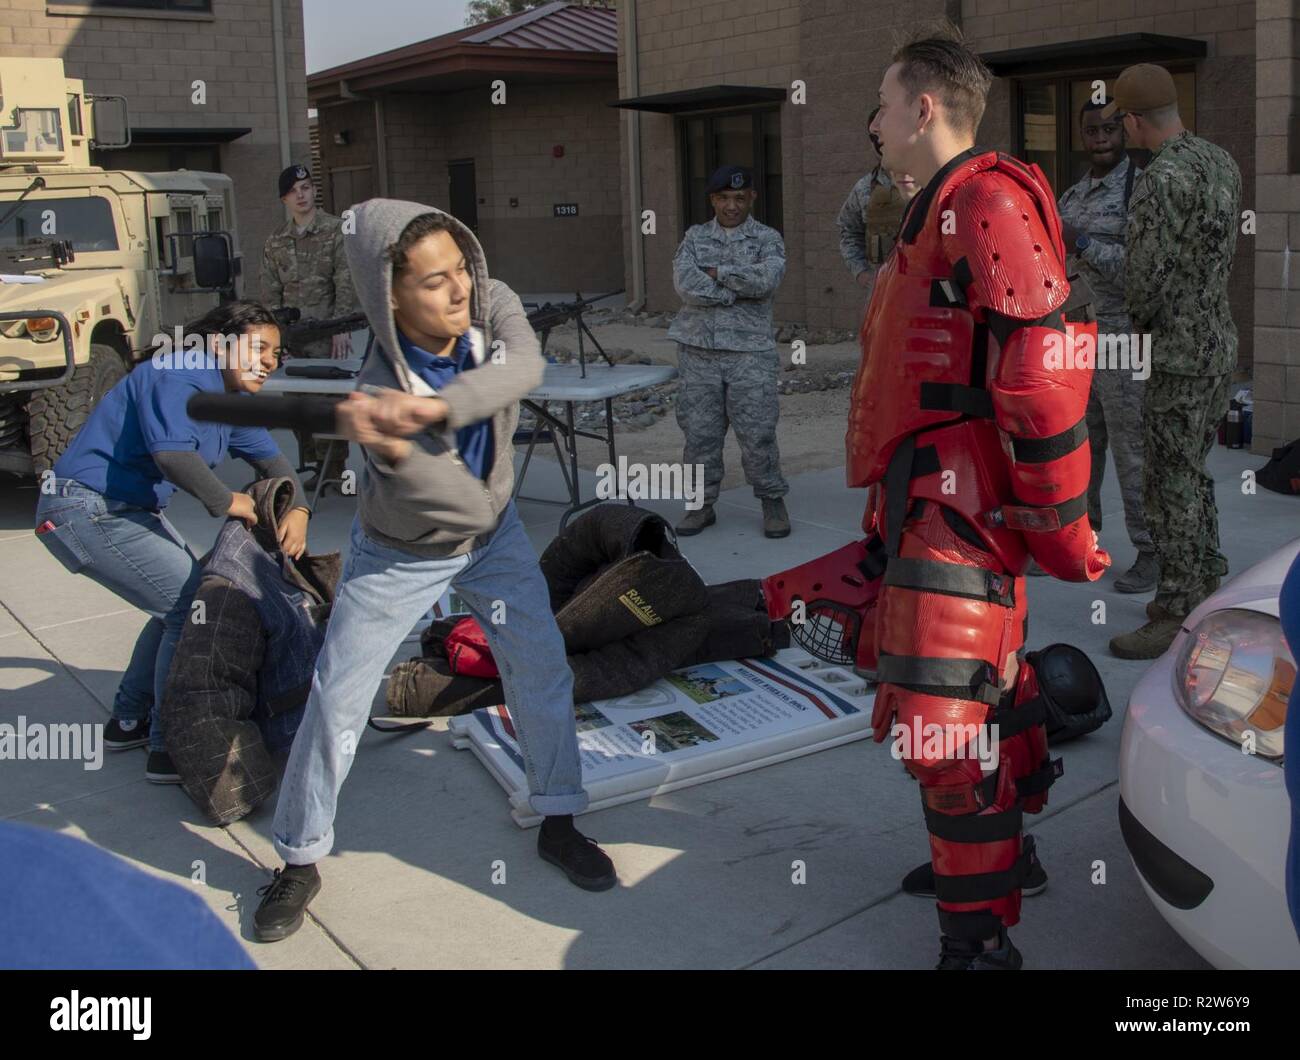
(1182, 234)
(726, 273)
(1094, 216)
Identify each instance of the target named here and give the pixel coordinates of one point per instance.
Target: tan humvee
(93, 262)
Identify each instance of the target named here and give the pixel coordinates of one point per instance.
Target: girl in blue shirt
(101, 511)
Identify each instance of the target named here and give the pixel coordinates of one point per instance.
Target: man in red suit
(967, 426)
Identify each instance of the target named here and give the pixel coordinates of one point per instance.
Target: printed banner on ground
(697, 724)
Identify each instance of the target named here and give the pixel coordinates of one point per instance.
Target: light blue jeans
(137, 554)
(382, 594)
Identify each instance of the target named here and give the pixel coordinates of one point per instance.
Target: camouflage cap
(1141, 88)
(730, 178)
(291, 176)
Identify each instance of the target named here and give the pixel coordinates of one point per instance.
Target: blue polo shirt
(474, 440)
(70, 905)
(145, 414)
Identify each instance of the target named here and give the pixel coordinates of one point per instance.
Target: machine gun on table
(550, 315)
(299, 333)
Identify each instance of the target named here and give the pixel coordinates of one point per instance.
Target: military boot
(1149, 642)
(776, 521)
(1141, 577)
(962, 955)
(1155, 609)
(696, 521)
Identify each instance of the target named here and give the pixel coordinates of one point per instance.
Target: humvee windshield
(85, 221)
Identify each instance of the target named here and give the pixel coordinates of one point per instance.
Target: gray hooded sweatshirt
(431, 504)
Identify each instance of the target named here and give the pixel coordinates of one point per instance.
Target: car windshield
(87, 221)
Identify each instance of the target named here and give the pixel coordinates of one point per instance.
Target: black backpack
(1282, 473)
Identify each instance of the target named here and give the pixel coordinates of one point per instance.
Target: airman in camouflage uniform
(304, 267)
(1094, 213)
(871, 216)
(868, 222)
(1182, 233)
(727, 272)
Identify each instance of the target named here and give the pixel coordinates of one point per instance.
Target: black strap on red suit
(951, 579)
(971, 679)
(983, 886)
(974, 827)
(1053, 447)
(1012, 721)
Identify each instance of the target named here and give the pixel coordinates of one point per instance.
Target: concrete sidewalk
(706, 872)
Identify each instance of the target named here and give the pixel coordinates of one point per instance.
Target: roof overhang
(457, 67)
(1068, 56)
(144, 136)
(710, 98)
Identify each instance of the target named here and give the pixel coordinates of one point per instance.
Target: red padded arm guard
(1040, 410)
(1012, 254)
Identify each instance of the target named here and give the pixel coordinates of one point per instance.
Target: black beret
(730, 178)
(291, 176)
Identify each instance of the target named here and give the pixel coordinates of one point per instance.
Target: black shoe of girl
(118, 737)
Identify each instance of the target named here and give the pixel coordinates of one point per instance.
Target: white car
(1203, 802)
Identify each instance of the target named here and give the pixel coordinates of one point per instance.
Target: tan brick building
(712, 82)
(248, 119)
(507, 125)
(1277, 285)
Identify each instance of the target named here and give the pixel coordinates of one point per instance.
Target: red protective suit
(967, 424)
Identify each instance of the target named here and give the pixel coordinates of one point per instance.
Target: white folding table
(569, 385)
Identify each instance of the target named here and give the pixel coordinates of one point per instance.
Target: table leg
(320, 475)
(609, 439)
(575, 492)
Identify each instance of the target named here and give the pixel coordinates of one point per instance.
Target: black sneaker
(920, 881)
(118, 737)
(582, 860)
(962, 955)
(159, 769)
(284, 902)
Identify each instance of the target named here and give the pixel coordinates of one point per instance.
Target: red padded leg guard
(948, 618)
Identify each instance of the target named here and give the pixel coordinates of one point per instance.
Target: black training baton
(307, 413)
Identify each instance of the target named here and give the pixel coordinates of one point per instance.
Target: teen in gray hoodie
(435, 413)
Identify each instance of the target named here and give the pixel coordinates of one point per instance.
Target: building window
(750, 138)
(1047, 122)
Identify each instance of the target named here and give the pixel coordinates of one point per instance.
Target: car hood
(1254, 589)
(59, 289)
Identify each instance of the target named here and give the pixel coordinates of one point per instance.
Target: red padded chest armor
(910, 337)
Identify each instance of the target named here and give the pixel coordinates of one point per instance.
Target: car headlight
(1234, 675)
(41, 329)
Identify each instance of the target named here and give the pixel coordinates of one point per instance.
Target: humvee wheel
(56, 413)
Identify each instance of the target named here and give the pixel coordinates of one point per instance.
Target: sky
(338, 31)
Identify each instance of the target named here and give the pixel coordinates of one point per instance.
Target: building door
(750, 138)
(350, 185)
(464, 195)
